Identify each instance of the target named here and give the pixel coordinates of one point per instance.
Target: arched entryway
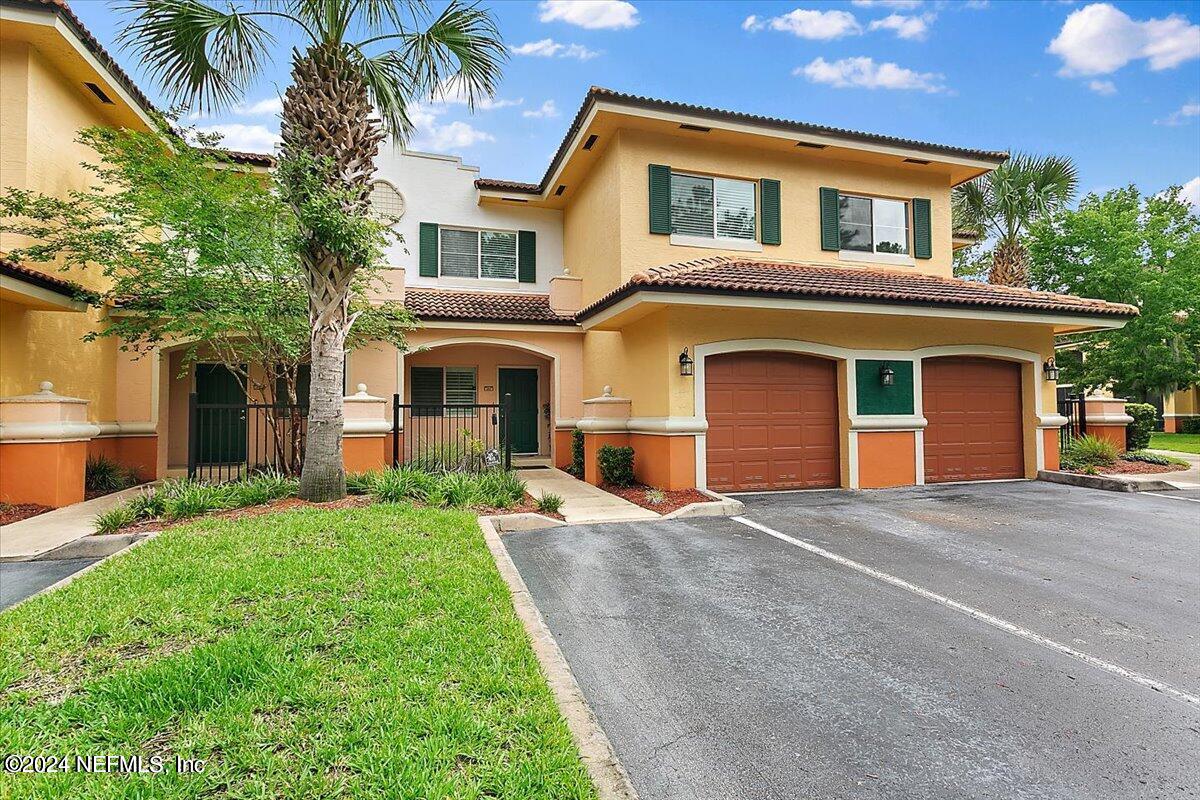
(772, 421)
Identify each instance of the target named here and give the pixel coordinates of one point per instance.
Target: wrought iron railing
(467, 437)
(1073, 407)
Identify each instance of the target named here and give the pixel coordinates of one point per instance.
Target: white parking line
(1168, 497)
(975, 613)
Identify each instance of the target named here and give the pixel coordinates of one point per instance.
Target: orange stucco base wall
(664, 462)
(139, 453)
(562, 449)
(1174, 424)
(46, 473)
(1050, 447)
(887, 458)
(366, 453)
(1113, 433)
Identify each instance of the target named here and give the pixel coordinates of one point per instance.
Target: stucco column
(43, 447)
(605, 422)
(367, 432)
(1106, 419)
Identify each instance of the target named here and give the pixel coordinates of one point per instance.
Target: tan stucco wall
(1184, 401)
(613, 204)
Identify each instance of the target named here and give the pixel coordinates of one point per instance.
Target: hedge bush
(1145, 417)
(576, 467)
(1190, 425)
(616, 464)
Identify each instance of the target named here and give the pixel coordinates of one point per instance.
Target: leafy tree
(1002, 204)
(1127, 248)
(198, 252)
(330, 132)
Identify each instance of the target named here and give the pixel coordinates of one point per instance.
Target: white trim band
(47, 432)
(111, 429)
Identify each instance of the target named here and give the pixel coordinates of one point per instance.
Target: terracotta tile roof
(43, 280)
(598, 93)
(737, 276)
(443, 304)
(252, 159)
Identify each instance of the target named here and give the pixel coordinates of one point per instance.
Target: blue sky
(1116, 86)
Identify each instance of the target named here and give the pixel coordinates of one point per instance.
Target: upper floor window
(478, 254)
(712, 208)
(873, 225)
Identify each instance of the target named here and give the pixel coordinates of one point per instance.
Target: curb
(720, 506)
(1105, 482)
(528, 521)
(607, 774)
(76, 575)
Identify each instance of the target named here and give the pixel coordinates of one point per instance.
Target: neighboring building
(1180, 406)
(800, 274)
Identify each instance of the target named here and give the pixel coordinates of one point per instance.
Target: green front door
(222, 416)
(522, 384)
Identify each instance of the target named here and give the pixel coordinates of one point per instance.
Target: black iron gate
(466, 437)
(1073, 407)
(227, 441)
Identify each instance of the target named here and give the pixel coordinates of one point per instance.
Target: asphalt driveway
(21, 579)
(1004, 640)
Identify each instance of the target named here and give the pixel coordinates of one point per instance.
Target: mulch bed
(15, 513)
(529, 506)
(1138, 468)
(673, 500)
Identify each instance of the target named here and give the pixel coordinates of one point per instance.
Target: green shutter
(768, 193)
(660, 199)
(527, 256)
(429, 250)
(831, 238)
(425, 391)
(922, 228)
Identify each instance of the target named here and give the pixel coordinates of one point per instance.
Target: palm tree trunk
(327, 117)
(1010, 264)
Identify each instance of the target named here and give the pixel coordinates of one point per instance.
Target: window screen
(854, 222)
(691, 205)
(890, 226)
(460, 253)
(873, 225)
(735, 208)
(721, 208)
(498, 252)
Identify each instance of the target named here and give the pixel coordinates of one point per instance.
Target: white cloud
(906, 27)
(888, 3)
(863, 72)
(591, 14)
(268, 107)
(977, 5)
(1102, 87)
(452, 92)
(1190, 193)
(808, 24)
(548, 48)
(430, 134)
(1099, 39)
(546, 110)
(753, 24)
(246, 138)
(1182, 116)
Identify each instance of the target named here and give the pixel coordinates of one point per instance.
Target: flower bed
(671, 500)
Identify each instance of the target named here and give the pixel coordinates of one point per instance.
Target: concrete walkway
(1183, 479)
(33, 537)
(583, 502)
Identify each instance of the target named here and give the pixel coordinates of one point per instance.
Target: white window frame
(723, 242)
(903, 259)
(516, 278)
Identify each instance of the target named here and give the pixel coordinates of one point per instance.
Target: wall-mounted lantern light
(887, 375)
(686, 365)
(1050, 370)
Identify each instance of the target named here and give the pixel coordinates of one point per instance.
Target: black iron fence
(1073, 407)
(467, 437)
(227, 441)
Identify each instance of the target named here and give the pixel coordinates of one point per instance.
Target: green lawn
(1179, 442)
(369, 652)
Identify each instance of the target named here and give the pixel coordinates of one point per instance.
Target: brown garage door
(772, 421)
(974, 410)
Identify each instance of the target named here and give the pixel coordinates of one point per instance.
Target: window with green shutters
(484, 254)
(875, 225)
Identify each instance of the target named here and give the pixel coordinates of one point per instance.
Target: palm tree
(209, 56)
(1001, 205)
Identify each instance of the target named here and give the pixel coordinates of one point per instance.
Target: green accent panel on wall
(874, 397)
(769, 194)
(831, 238)
(660, 198)
(429, 250)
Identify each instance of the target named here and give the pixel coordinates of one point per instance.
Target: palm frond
(463, 45)
(194, 51)
(388, 77)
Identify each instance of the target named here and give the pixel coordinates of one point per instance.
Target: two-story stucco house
(749, 303)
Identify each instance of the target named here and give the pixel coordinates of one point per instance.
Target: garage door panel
(780, 410)
(973, 406)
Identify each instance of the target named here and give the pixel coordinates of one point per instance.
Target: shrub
(616, 464)
(461, 489)
(655, 496)
(1145, 417)
(550, 503)
(1154, 458)
(1088, 453)
(190, 499)
(260, 489)
(402, 483)
(576, 467)
(1190, 425)
(116, 518)
(501, 488)
(360, 482)
(102, 474)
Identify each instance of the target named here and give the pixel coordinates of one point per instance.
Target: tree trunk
(327, 116)
(1010, 264)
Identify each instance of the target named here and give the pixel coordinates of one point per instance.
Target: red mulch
(528, 506)
(675, 499)
(1138, 468)
(15, 513)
